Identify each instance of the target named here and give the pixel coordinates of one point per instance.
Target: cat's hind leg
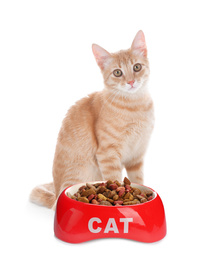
(73, 173)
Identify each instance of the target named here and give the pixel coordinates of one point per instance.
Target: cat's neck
(136, 99)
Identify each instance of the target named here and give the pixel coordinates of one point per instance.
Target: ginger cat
(108, 130)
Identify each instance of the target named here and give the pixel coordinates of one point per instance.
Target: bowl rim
(118, 206)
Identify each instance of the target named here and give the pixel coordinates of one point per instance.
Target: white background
(46, 64)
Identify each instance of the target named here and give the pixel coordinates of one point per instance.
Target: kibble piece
(126, 181)
(121, 191)
(143, 194)
(118, 183)
(131, 197)
(90, 186)
(108, 183)
(100, 189)
(102, 184)
(119, 202)
(128, 188)
(107, 194)
(126, 200)
(150, 197)
(139, 197)
(149, 193)
(91, 197)
(82, 187)
(136, 201)
(110, 200)
(97, 184)
(77, 194)
(87, 193)
(104, 202)
(95, 202)
(113, 193)
(83, 199)
(101, 197)
(143, 200)
(137, 191)
(113, 186)
(116, 197)
(126, 196)
(131, 202)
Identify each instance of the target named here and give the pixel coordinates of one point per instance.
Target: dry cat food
(111, 193)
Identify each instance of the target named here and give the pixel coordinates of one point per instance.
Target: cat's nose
(131, 82)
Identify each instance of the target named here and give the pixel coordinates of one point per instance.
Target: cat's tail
(44, 195)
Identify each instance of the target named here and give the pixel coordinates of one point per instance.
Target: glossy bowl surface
(77, 222)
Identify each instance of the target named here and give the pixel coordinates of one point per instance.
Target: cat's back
(78, 127)
(85, 111)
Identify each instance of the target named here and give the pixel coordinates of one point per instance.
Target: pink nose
(131, 82)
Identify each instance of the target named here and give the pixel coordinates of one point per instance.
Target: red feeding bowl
(77, 222)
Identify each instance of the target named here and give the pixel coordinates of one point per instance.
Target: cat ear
(139, 44)
(101, 55)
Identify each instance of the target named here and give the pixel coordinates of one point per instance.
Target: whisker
(115, 96)
(113, 93)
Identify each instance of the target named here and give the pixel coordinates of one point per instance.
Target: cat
(108, 130)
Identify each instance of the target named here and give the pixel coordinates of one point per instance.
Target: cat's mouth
(131, 88)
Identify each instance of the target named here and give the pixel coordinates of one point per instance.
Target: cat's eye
(137, 67)
(117, 73)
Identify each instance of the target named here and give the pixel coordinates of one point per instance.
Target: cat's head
(126, 71)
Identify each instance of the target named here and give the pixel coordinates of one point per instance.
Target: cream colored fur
(106, 131)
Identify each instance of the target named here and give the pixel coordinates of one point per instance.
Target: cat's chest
(137, 134)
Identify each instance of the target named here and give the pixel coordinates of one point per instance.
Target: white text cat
(110, 226)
